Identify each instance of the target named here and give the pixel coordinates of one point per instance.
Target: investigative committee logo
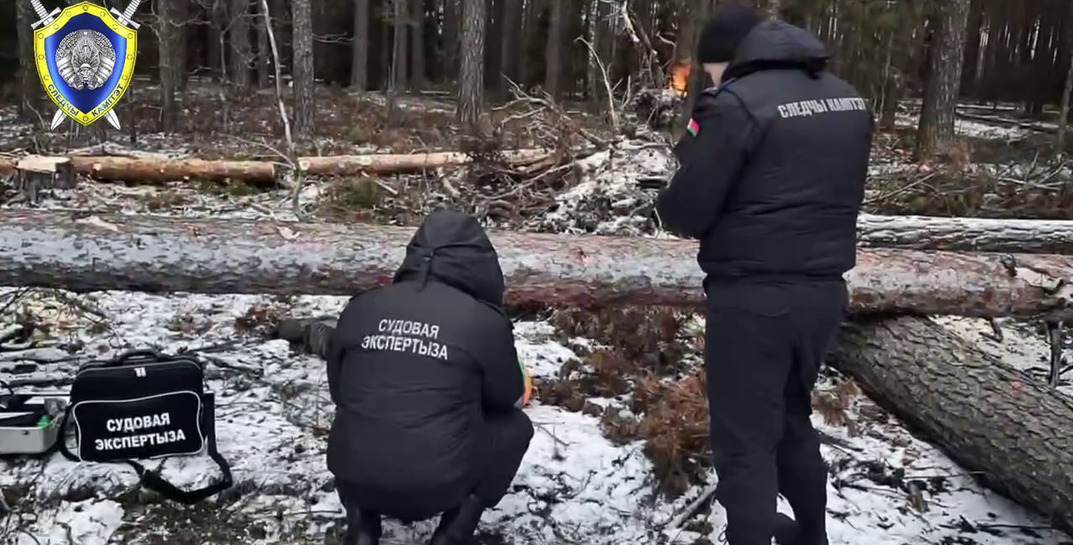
(85, 59)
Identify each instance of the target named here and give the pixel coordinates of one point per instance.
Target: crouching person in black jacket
(428, 389)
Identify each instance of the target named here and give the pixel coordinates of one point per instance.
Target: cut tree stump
(35, 173)
(157, 254)
(987, 416)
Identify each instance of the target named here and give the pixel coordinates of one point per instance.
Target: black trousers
(764, 347)
(506, 437)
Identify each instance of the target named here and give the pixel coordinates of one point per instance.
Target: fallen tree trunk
(349, 165)
(157, 254)
(998, 120)
(155, 170)
(988, 417)
(127, 169)
(966, 234)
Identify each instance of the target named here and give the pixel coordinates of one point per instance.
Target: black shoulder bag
(145, 405)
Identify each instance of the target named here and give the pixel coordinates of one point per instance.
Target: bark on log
(127, 169)
(349, 165)
(966, 234)
(156, 254)
(988, 417)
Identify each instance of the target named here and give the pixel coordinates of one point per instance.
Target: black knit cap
(725, 32)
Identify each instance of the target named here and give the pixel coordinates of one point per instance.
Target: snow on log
(988, 417)
(158, 254)
(966, 234)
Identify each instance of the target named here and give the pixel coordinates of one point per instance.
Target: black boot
(446, 520)
(786, 530)
(363, 528)
(458, 525)
(790, 532)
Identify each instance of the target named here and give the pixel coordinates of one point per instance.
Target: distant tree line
(989, 50)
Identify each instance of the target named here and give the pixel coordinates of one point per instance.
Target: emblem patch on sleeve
(693, 127)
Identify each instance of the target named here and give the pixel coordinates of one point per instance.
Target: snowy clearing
(574, 486)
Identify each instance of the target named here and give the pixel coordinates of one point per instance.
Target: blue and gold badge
(85, 58)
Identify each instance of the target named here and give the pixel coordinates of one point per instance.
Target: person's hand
(527, 395)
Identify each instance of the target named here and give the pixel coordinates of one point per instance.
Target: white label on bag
(138, 423)
(138, 441)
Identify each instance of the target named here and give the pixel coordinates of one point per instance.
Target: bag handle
(153, 481)
(132, 356)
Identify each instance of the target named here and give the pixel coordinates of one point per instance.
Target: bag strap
(158, 484)
(153, 481)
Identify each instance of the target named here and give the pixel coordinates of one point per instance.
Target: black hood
(453, 248)
(774, 45)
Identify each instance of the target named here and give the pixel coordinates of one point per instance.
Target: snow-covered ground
(574, 486)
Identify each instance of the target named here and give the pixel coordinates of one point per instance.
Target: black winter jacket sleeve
(503, 384)
(711, 162)
(336, 351)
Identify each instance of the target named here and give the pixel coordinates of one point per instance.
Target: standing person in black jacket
(428, 389)
(771, 181)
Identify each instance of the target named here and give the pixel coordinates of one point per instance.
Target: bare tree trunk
(54, 249)
(240, 43)
(471, 78)
(400, 57)
(511, 46)
(531, 41)
(264, 56)
(452, 29)
(304, 83)
(493, 54)
(970, 72)
(417, 27)
(180, 63)
(554, 52)
(359, 66)
(944, 79)
(166, 30)
(216, 55)
(990, 418)
(279, 16)
(1067, 90)
(28, 86)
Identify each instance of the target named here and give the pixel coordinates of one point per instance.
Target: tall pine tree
(944, 78)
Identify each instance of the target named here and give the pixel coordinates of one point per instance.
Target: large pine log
(155, 254)
(966, 234)
(125, 169)
(988, 417)
(347, 165)
(147, 170)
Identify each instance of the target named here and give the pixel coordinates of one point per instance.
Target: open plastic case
(30, 423)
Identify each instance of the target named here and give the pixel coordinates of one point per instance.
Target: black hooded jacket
(414, 366)
(773, 168)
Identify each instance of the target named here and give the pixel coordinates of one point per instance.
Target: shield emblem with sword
(85, 59)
